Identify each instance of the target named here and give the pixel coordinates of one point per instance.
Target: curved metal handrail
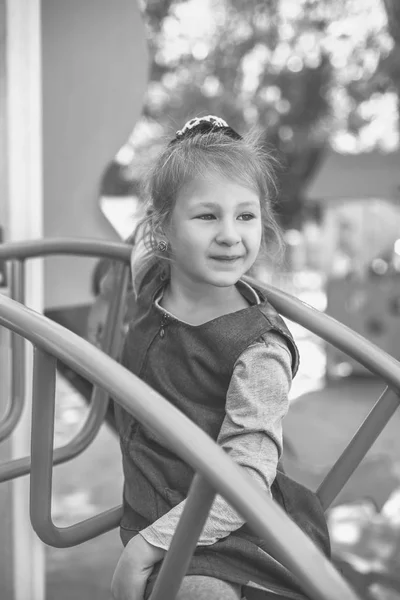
(370, 356)
(83, 247)
(181, 434)
(99, 401)
(344, 338)
(18, 252)
(365, 352)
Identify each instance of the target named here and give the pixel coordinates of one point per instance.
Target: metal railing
(370, 356)
(111, 341)
(216, 475)
(216, 472)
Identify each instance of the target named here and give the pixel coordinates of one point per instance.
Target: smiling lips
(226, 258)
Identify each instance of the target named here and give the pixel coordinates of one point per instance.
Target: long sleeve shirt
(251, 433)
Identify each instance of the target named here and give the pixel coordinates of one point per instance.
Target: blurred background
(321, 81)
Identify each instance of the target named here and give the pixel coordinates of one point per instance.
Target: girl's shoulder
(275, 337)
(270, 344)
(264, 366)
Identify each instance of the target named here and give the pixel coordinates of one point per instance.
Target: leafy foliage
(307, 73)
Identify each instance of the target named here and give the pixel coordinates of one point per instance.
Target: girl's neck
(199, 304)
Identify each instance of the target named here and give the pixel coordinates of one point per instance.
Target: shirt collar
(248, 292)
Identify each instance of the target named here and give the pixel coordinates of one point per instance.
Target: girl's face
(214, 232)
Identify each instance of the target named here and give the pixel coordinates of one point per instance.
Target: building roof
(372, 174)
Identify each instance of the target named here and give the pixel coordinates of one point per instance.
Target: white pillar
(25, 221)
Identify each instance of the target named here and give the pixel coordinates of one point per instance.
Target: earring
(162, 246)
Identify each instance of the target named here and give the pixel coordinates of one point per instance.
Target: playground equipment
(215, 472)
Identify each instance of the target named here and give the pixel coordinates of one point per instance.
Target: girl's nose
(228, 233)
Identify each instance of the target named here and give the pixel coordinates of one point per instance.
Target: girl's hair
(243, 160)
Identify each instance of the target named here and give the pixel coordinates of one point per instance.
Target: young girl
(214, 347)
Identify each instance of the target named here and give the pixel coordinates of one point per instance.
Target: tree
(306, 72)
(390, 64)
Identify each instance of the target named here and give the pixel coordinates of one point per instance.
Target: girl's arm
(251, 434)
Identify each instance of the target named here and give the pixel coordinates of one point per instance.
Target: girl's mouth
(226, 258)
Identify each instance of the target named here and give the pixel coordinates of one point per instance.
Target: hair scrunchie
(203, 125)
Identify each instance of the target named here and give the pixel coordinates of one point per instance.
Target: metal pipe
(286, 542)
(44, 374)
(98, 406)
(176, 562)
(366, 353)
(79, 246)
(17, 396)
(358, 446)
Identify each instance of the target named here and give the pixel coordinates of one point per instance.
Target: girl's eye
(207, 217)
(247, 217)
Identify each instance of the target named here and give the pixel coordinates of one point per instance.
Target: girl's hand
(134, 568)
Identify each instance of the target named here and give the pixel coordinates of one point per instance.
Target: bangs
(208, 154)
